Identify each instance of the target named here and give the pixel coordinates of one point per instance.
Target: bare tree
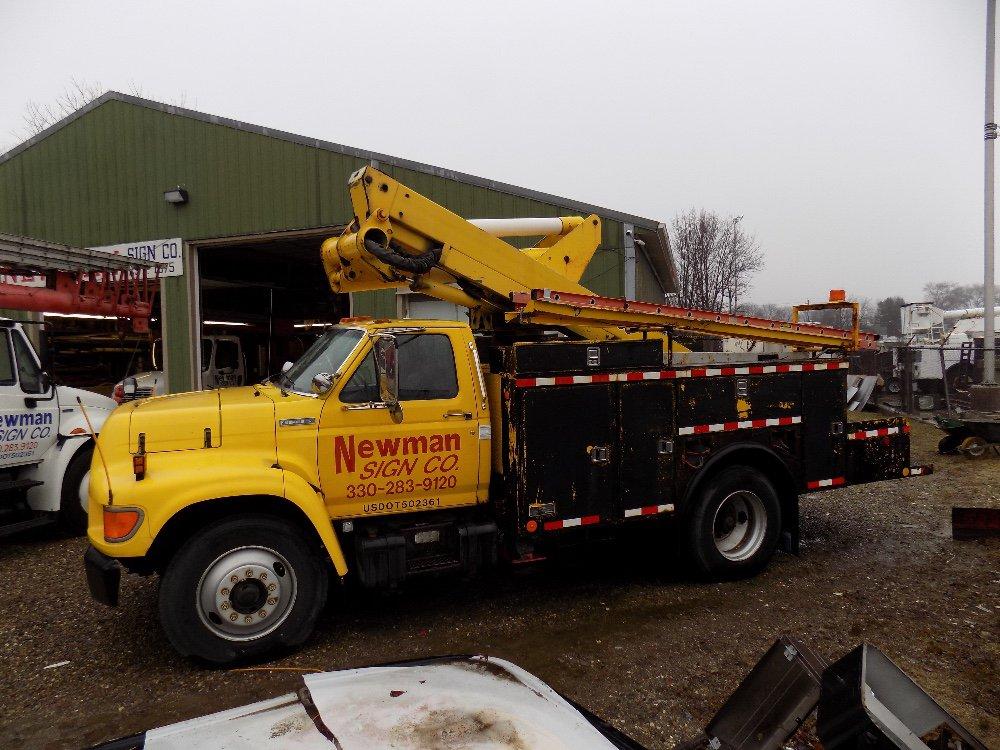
(716, 259)
(951, 296)
(37, 117)
(769, 310)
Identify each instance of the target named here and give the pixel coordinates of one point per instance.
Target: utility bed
(603, 434)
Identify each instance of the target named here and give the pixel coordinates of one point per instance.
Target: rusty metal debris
(863, 700)
(975, 523)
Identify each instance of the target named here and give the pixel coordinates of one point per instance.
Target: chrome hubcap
(246, 593)
(739, 525)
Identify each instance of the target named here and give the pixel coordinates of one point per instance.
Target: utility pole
(987, 396)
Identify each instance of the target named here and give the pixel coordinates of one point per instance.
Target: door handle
(458, 414)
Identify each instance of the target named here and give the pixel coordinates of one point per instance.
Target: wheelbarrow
(972, 434)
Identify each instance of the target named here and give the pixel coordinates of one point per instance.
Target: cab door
(29, 412)
(371, 464)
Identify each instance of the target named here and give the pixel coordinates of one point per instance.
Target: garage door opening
(262, 304)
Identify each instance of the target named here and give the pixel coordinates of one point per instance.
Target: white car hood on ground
(461, 702)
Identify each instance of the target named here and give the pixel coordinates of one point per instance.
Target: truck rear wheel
(734, 527)
(242, 587)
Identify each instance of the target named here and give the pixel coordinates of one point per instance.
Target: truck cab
(222, 365)
(45, 442)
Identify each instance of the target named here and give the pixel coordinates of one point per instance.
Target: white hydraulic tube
(970, 312)
(520, 227)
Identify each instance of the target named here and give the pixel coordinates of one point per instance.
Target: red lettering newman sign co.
(346, 452)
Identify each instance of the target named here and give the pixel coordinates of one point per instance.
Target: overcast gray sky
(847, 134)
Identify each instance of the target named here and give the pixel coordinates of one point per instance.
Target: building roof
(654, 230)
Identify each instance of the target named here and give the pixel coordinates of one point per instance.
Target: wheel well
(771, 466)
(194, 517)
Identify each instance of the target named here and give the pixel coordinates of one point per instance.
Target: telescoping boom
(407, 240)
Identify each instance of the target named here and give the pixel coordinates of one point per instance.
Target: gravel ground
(653, 652)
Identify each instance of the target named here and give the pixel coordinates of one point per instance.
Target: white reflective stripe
(685, 431)
(567, 522)
(665, 508)
(545, 381)
(825, 483)
(633, 512)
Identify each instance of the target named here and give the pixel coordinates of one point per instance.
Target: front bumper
(104, 576)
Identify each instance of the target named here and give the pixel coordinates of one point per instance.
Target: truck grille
(139, 393)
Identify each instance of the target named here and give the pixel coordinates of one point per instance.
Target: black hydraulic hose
(417, 264)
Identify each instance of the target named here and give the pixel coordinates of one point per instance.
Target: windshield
(326, 355)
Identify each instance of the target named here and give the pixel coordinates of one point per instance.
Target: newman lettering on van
(346, 451)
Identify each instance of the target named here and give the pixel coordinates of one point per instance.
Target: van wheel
(734, 527)
(242, 587)
(73, 499)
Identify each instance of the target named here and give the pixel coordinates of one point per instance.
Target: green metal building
(99, 177)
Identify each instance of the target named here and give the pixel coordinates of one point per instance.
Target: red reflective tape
(524, 382)
(601, 377)
(781, 368)
(837, 481)
(906, 428)
(650, 510)
(564, 380)
(808, 366)
(759, 422)
(785, 420)
(698, 372)
(728, 371)
(730, 426)
(588, 520)
(630, 376)
(700, 429)
(859, 435)
(552, 525)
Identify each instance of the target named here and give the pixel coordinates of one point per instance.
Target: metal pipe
(989, 321)
(541, 227)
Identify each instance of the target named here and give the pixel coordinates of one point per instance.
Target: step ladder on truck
(395, 448)
(47, 429)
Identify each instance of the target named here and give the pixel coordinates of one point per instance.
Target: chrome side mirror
(388, 373)
(129, 388)
(321, 383)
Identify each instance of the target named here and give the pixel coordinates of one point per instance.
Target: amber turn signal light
(120, 523)
(139, 465)
(531, 526)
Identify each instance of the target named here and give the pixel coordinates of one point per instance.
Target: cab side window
(6, 361)
(426, 367)
(28, 371)
(362, 388)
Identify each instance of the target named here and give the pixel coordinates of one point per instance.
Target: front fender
(180, 480)
(310, 502)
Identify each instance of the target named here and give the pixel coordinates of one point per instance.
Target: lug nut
(225, 592)
(263, 576)
(248, 620)
(249, 573)
(262, 613)
(272, 600)
(233, 617)
(224, 605)
(272, 587)
(234, 579)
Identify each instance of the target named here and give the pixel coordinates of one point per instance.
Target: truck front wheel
(242, 587)
(734, 526)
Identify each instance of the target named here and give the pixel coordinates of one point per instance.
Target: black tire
(196, 630)
(72, 514)
(948, 445)
(750, 500)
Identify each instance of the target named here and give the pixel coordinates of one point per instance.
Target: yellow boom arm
(399, 238)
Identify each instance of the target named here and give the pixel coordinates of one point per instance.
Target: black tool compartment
(581, 357)
(577, 448)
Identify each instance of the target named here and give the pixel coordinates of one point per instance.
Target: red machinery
(78, 281)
